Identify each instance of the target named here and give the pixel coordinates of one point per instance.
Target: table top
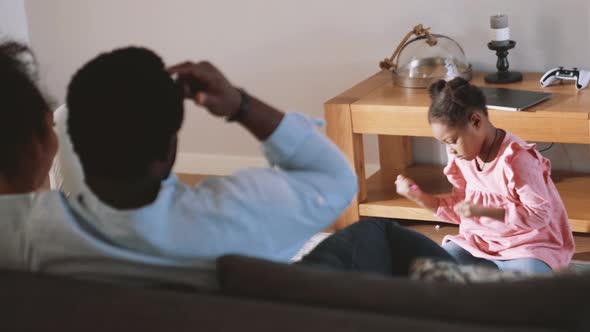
(566, 102)
(379, 107)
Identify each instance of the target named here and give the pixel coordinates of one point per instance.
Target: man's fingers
(192, 72)
(201, 71)
(180, 66)
(206, 100)
(201, 98)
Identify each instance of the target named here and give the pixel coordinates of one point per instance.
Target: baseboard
(212, 164)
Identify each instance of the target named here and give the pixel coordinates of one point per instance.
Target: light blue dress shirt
(263, 212)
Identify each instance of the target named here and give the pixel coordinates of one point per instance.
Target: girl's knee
(527, 265)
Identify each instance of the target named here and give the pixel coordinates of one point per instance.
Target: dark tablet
(512, 100)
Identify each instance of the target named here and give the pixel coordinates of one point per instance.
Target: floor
(437, 233)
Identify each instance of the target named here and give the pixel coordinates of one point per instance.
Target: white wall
(13, 21)
(298, 53)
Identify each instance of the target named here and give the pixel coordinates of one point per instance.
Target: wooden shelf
(382, 200)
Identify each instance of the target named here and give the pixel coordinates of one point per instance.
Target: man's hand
(206, 86)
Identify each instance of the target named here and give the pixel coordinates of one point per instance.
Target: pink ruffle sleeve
(527, 174)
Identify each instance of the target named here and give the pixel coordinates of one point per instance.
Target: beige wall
(13, 21)
(297, 54)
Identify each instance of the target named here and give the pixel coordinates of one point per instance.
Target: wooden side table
(376, 106)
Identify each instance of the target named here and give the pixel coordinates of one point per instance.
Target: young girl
(509, 211)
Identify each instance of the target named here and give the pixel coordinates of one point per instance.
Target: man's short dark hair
(23, 108)
(124, 109)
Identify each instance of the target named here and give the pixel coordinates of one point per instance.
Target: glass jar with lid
(420, 61)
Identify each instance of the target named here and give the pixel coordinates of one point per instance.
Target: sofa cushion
(559, 302)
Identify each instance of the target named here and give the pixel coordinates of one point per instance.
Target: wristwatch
(242, 109)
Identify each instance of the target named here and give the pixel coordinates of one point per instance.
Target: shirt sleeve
(528, 174)
(270, 212)
(447, 203)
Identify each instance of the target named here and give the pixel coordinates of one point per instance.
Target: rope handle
(419, 31)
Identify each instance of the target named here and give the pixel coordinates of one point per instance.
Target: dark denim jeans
(375, 245)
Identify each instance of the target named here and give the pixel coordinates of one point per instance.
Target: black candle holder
(503, 75)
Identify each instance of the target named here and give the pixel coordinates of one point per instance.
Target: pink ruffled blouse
(517, 180)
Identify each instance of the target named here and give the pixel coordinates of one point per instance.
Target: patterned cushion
(439, 271)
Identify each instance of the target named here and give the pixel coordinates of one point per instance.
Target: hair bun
(457, 83)
(436, 88)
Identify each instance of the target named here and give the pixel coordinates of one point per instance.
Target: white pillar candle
(499, 29)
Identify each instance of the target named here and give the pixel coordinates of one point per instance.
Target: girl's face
(463, 142)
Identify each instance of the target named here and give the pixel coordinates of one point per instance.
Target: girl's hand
(406, 187)
(467, 209)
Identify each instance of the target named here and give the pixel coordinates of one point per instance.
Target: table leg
(339, 130)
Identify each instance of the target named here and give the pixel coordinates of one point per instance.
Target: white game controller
(582, 77)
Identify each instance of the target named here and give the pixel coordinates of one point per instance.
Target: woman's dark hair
(454, 102)
(23, 108)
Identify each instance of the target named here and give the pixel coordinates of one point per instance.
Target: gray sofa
(257, 295)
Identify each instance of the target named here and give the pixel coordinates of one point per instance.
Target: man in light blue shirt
(124, 113)
(151, 228)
